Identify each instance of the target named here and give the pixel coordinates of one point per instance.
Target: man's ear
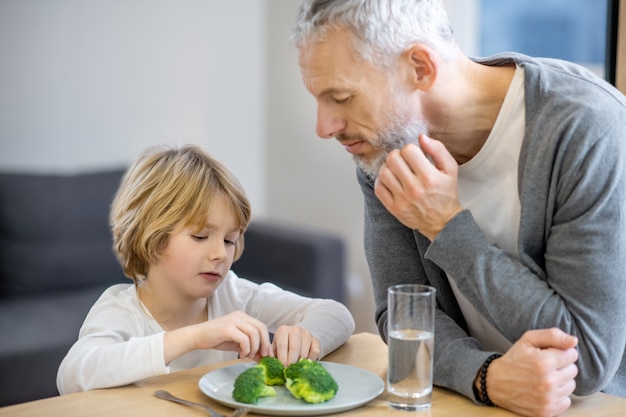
(422, 66)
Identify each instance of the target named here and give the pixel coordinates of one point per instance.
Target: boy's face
(194, 263)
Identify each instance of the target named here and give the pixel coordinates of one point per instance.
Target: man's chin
(370, 166)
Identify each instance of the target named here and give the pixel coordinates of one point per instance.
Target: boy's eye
(198, 237)
(229, 242)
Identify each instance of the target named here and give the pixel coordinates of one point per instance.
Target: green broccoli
(250, 386)
(310, 381)
(273, 370)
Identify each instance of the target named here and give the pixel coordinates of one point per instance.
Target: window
(574, 30)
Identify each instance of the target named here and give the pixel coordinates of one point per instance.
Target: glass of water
(411, 339)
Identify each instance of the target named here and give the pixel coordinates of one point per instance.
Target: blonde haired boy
(178, 222)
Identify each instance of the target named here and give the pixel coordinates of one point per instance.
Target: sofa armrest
(303, 261)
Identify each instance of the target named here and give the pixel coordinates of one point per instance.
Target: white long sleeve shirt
(120, 343)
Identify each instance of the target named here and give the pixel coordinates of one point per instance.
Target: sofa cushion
(306, 262)
(54, 232)
(37, 332)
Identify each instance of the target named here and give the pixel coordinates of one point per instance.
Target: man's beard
(395, 137)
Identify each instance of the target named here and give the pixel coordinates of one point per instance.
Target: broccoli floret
(273, 370)
(250, 386)
(310, 381)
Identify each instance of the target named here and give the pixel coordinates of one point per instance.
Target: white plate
(356, 387)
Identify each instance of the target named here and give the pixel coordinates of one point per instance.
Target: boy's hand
(292, 343)
(238, 332)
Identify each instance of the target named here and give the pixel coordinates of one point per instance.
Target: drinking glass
(410, 338)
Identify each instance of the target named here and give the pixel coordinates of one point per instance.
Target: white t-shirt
(120, 343)
(488, 189)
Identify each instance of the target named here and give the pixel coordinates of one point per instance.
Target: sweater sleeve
(395, 256)
(570, 273)
(114, 348)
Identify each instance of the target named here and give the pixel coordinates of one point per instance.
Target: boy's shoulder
(118, 294)
(119, 290)
(116, 304)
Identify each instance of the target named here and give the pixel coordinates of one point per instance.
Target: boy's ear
(422, 66)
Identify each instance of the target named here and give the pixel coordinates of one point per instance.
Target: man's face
(365, 109)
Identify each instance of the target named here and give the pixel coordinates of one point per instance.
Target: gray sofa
(56, 259)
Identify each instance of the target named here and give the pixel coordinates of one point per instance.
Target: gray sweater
(571, 271)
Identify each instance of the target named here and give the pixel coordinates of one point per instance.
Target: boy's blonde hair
(164, 189)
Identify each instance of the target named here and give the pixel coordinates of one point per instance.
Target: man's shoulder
(552, 72)
(562, 95)
(572, 81)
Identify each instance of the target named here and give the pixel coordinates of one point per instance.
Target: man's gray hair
(382, 29)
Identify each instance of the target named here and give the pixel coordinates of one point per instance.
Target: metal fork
(164, 395)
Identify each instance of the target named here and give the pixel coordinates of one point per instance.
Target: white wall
(464, 18)
(90, 83)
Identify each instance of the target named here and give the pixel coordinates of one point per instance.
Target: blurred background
(88, 84)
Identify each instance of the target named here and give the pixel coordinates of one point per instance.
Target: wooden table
(364, 350)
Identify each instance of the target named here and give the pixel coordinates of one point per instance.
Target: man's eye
(342, 100)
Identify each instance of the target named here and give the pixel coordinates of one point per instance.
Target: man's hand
(421, 194)
(536, 376)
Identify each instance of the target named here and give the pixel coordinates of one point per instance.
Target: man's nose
(329, 125)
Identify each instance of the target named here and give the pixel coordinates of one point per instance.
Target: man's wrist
(480, 382)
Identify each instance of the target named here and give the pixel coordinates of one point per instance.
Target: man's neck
(470, 96)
